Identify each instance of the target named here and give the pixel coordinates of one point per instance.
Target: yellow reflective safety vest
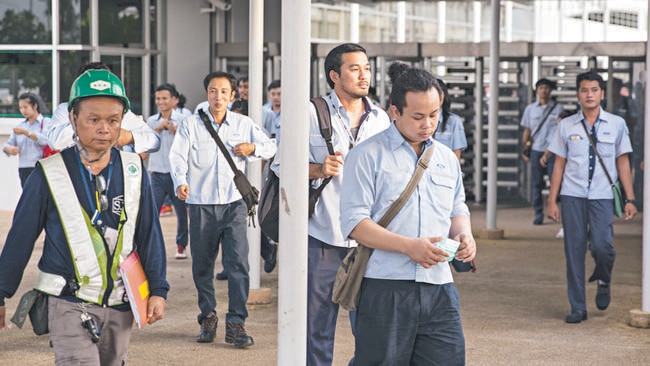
(86, 244)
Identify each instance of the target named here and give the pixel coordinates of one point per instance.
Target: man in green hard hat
(96, 206)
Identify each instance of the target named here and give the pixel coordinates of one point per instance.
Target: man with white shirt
(218, 214)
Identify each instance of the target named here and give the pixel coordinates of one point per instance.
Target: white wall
(188, 48)
(10, 182)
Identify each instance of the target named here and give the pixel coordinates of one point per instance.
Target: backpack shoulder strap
(324, 121)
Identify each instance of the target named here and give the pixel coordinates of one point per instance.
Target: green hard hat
(98, 83)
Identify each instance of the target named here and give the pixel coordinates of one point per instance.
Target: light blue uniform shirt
(144, 138)
(532, 118)
(185, 112)
(377, 172)
(572, 143)
(159, 160)
(325, 224)
(196, 160)
(30, 151)
(271, 123)
(454, 134)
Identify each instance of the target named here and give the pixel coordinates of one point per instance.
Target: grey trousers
(71, 342)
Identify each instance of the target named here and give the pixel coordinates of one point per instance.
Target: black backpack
(268, 210)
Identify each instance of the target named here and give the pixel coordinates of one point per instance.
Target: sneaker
(236, 334)
(180, 252)
(560, 234)
(208, 329)
(165, 210)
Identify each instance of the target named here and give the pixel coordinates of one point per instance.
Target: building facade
(148, 42)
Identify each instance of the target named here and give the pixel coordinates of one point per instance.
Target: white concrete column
(401, 22)
(493, 118)
(442, 35)
(292, 261)
(256, 82)
(641, 317)
(508, 21)
(354, 23)
(477, 22)
(56, 80)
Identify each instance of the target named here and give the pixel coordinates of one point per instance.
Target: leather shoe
(236, 335)
(576, 316)
(603, 296)
(222, 276)
(271, 259)
(208, 328)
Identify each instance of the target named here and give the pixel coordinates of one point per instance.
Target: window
(25, 22)
(22, 72)
(120, 23)
(69, 63)
(624, 18)
(74, 22)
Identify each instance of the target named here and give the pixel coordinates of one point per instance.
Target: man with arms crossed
(165, 123)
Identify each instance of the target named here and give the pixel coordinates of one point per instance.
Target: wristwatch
(629, 201)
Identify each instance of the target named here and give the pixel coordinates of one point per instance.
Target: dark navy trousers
(323, 262)
(209, 226)
(587, 225)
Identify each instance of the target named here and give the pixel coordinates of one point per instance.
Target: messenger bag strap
(217, 139)
(423, 163)
(549, 109)
(600, 160)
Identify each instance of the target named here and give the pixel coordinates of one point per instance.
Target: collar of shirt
(340, 110)
(579, 117)
(396, 140)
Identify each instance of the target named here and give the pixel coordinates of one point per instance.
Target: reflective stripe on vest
(90, 260)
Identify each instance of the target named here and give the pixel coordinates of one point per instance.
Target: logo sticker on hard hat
(100, 85)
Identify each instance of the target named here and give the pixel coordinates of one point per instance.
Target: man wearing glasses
(95, 204)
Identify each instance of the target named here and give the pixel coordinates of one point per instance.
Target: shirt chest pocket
(606, 146)
(235, 139)
(204, 153)
(318, 148)
(441, 190)
(578, 148)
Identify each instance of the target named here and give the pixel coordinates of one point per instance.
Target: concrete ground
(513, 308)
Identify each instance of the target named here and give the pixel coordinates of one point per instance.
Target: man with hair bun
(408, 312)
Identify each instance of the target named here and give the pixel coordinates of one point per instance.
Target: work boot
(208, 328)
(236, 334)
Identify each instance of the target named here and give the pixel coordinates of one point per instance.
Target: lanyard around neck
(364, 118)
(95, 205)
